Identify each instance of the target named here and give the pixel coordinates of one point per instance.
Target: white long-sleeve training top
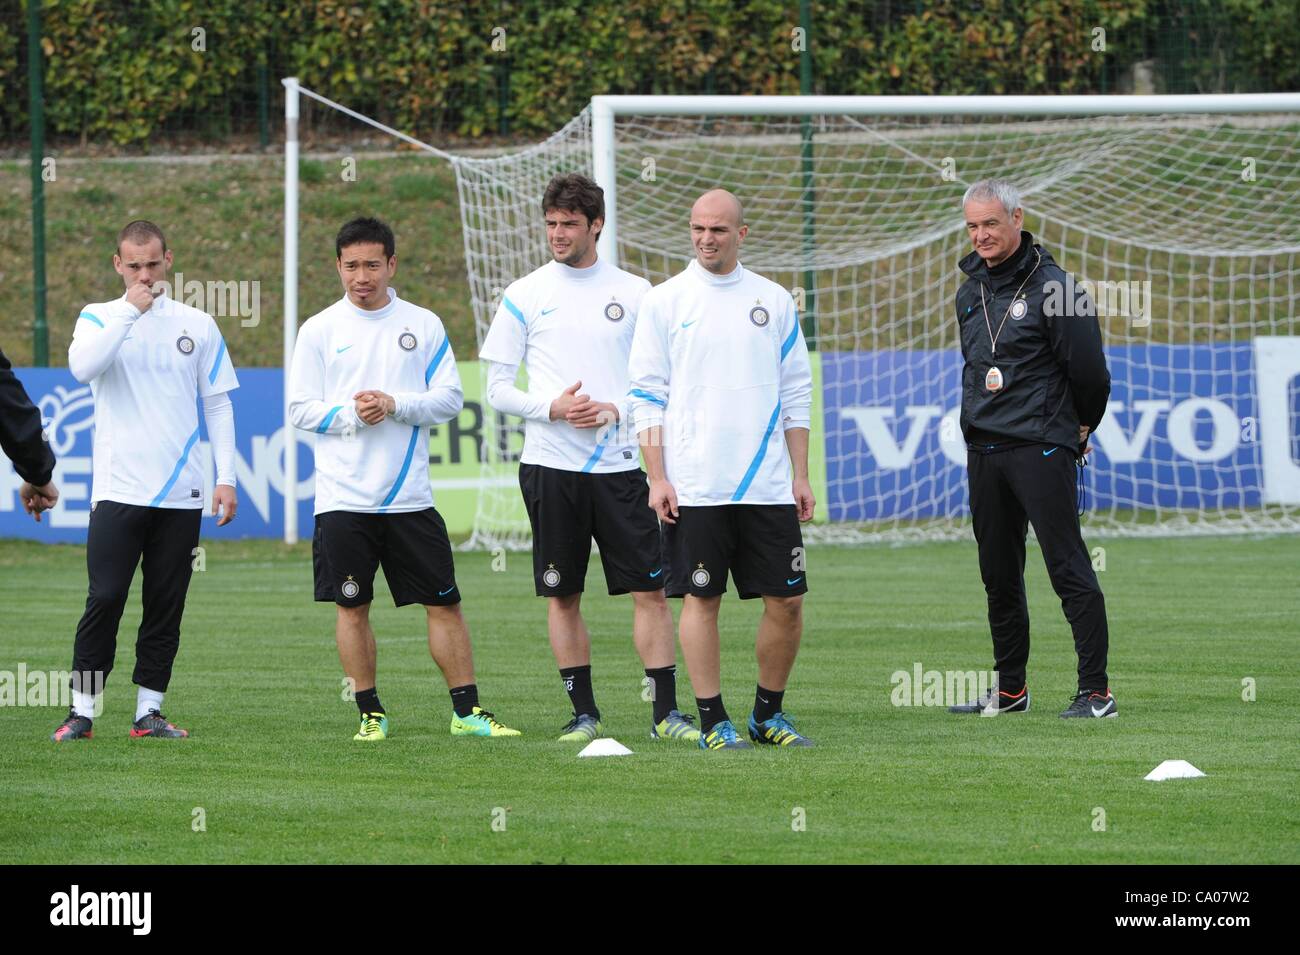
(147, 371)
(567, 325)
(720, 362)
(400, 349)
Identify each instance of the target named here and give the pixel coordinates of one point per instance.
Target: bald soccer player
(721, 398)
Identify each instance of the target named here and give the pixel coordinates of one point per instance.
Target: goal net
(1182, 221)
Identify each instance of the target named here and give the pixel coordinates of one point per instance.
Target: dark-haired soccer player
(148, 359)
(370, 375)
(571, 324)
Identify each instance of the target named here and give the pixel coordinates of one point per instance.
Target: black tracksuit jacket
(20, 430)
(1054, 372)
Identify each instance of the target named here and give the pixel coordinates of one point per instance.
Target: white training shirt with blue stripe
(720, 362)
(147, 371)
(567, 325)
(400, 349)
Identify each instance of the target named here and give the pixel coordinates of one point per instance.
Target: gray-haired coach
(1034, 386)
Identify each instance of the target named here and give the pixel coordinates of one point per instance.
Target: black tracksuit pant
(120, 535)
(1009, 489)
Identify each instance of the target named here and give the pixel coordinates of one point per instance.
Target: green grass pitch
(272, 766)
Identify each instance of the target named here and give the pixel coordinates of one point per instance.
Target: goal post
(606, 109)
(1180, 213)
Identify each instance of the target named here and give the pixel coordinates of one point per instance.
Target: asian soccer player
(148, 359)
(370, 375)
(571, 323)
(721, 396)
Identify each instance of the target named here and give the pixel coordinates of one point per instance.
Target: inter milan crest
(614, 311)
(407, 341)
(350, 588)
(700, 578)
(759, 315)
(185, 345)
(551, 577)
(1018, 309)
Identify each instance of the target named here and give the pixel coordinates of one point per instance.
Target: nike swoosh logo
(339, 351)
(1104, 710)
(690, 323)
(657, 572)
(547, 311)
(791, 583)
(1046, 453)
(443, 593)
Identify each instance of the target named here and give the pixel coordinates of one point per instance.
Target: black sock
(577, 681)
(464, 699)
(368, 701)
(767, 703)
(712, 712)
(663, 690)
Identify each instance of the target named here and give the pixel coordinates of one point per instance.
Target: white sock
(85, 704)
(146, 700)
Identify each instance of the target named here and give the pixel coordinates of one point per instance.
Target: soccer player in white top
(571, 324)
(721, 399)
(148, 359)
(371, 374)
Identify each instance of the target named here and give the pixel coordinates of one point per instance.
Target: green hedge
(121, 72)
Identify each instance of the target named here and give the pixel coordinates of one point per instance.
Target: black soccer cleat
(74, 727)
(1006, 703)
(155, 724)
(1088, 704)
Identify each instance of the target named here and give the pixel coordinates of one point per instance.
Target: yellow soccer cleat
(479, 723)
(373, 726)
(583, 728)
(676, 725)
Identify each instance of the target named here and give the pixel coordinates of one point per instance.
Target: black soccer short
(760, 544)
(568, 508)
(413, 548)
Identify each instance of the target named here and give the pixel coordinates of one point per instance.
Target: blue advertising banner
(68, 412)
(454, 455)
(1187, 426)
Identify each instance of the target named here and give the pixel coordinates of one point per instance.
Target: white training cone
(605, 747)
(1174, 769)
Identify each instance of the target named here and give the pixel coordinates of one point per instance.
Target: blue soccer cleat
(776, 731)
(722, 736)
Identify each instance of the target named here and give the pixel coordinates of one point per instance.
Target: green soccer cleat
(722, 736)
(479, 723)
(581, 729)
(776, 731)
(373, 726)
(676, 725)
